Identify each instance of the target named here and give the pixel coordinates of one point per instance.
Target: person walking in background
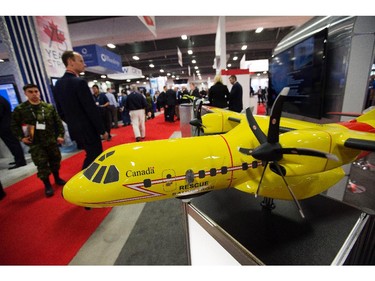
(170, 104)
(162, 101)
(218, 94)
(124, 111)
(102, 102)
(8, 137)
(235, 95)
(194, 91)
(44, 133)
(113, 107)
(77, 108)
(260, 95)
(136, 104)
(150, 113)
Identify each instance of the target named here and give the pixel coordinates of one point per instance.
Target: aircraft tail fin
(367, 114)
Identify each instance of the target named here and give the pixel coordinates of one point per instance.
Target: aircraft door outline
(169, 180)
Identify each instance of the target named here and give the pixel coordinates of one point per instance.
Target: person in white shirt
(113, 107)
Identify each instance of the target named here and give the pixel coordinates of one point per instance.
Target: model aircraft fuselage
(185, 167)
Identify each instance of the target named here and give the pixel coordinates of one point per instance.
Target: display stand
(255, 235)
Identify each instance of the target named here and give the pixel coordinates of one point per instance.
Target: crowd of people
(90, 115)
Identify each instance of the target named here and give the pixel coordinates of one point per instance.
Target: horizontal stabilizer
(359, 144)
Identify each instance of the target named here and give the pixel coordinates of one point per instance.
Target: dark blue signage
(100, 60)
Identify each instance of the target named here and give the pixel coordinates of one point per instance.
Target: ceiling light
(183, 36)
(82, 73)
(1, 60)
(229, 65)
(110, 45)
(95, 81)
(235, 58)
(259, 30)
(195, 67)
(161, 70)
(103, 76)
(128, 80)
(244, 47)
(135, 58)
(190, 52)
(193, 61)
(151, 65)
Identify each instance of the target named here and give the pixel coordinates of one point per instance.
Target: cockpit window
(98, 177)
(90, 171)
(112, 175)
(104, 156)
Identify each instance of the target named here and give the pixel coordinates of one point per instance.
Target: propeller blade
(289, 189)
(310, 152)
(274, 124)
(261, 137)
(246, 151)
(199, 111)
(261, 178)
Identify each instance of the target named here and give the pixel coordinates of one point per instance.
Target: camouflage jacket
(26, 116)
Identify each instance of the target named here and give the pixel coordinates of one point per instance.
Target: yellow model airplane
(293, 161)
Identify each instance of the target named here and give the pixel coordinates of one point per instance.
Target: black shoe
(2, 194)
(16, 166)
(48, 191)
(60, 181)
(138, 139)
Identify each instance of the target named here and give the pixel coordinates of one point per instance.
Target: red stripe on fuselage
(231, 159)
(358, 126)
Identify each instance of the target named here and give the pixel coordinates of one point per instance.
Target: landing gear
(268, 204)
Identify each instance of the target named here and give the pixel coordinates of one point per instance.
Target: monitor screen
(10, 93)
(302, 68)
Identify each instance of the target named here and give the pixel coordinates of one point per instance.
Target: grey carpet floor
(158, 237)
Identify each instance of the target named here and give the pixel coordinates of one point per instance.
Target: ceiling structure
(132, 37)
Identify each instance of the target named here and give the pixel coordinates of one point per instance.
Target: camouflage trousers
(47, 159)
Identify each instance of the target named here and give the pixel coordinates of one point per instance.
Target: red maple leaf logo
(148, 20)
(54, 33)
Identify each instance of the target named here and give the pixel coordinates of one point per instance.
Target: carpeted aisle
(35, 230)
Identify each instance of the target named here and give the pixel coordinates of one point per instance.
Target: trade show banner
(54, 39)
(149, 22)
(127, 72)
(100, 60)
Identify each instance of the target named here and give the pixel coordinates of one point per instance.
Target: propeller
(197, 121)
(270, 150)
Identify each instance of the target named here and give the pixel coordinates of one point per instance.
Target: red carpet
(35, 230)
(261, 110)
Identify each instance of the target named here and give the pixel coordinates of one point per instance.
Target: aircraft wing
(218, 120)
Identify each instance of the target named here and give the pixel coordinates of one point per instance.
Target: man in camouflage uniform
(38, 125)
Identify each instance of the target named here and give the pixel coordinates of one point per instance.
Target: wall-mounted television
(10, 93)
(302, 68)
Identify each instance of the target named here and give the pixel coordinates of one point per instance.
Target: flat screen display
(302, 68)
(10, 93)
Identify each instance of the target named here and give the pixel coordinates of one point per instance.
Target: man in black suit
(76, 106)
(235, 95)
(7, 136)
